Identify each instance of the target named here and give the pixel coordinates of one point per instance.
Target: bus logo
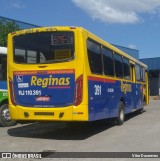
(6, 155)
(126, 87)
(42, 99)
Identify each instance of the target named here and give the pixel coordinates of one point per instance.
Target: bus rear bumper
(70, 113)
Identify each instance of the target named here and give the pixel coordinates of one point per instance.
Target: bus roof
(57, 28)
(3, 50)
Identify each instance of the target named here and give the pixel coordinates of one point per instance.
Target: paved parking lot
(140, 133)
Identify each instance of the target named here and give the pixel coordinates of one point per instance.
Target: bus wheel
(5, 119)
(121, 115)
(141, 110)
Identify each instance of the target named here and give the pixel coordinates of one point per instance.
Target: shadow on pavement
(60, 131)
(64, 131)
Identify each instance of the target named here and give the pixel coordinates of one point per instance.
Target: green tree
(6, 27)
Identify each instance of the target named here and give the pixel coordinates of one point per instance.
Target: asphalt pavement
(139, 133)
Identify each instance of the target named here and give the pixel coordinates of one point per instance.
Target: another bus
(5, 119)
(69, 74)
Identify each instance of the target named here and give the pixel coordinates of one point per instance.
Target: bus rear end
(45, 75)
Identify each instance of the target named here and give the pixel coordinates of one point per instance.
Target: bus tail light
(12, 92)
(78, 91)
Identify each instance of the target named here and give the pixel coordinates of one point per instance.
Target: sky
(134, 24)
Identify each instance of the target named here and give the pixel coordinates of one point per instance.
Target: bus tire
(5, 119)
(144, 101)
(121, 114)
(141, 111)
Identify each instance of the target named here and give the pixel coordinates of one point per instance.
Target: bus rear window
(43, 47)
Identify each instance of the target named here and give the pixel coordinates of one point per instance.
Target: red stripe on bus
(59, 87)
(35, 72)
(101, 79)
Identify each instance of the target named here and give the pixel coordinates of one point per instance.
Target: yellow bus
(67, 73)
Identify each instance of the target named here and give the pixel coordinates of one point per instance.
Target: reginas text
(51, 81)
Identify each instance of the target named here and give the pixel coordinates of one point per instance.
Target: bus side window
(3, 67)
(131, 71)
(1, 75)
(126, 68)
(138, 72)
(94, 57)
(118, 65)
(108, 62)
(143, 74)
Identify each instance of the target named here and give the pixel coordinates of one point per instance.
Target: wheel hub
(6, 115)
(122, 115)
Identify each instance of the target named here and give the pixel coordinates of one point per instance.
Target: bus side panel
(105, 95)
(127, 89)
(102, 100)
(138, 96)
